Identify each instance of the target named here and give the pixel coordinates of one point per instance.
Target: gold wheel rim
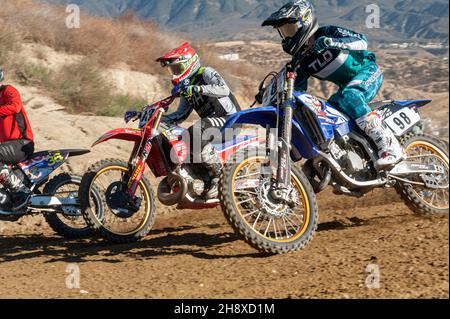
(302, 195)
(145, 194)
(435, 151)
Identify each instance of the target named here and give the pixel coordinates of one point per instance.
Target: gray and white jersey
(216, 99)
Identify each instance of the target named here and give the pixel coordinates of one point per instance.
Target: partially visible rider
(204, 90)
(341, 56)
(16, 142)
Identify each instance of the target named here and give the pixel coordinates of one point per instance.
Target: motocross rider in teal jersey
(340, 56)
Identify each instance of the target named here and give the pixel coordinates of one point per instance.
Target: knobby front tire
(281, 239)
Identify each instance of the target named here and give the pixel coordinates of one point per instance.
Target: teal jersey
(339, 64)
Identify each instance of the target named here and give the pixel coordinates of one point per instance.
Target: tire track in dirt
(194, 254)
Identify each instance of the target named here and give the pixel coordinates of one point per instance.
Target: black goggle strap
(279, 32)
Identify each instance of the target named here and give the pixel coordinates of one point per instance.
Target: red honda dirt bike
(129, 209)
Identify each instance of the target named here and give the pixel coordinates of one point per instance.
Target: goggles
(176, 68)
(289, 30)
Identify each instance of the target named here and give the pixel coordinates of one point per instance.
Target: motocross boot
(20, 194)
(390, 151)
(213, 164)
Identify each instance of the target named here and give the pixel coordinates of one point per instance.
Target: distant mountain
(425, 20)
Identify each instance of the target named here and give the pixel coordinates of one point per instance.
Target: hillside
(105, 67)
(404, 20)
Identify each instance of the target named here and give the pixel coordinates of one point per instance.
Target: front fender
(267, 116)
(125, 134)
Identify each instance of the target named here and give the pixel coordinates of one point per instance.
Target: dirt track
(194, 254)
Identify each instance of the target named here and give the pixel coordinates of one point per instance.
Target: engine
(352, 158)
(197, 179)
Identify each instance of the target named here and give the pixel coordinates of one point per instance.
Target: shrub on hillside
(80, 87)
(8, 44)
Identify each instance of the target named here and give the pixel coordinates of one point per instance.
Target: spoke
(248, 175)
(299, 216)
(256, 220)
(261, 226)
(288, 233)
(245, 201)
(246, 192)
(250, 214)
(432, 198)
(267, 229)
(275, 229)
(292, 224)
(247, 209)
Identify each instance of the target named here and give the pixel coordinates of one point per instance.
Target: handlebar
(291, 66)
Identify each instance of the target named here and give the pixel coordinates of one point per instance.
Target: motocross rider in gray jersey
(204, 90)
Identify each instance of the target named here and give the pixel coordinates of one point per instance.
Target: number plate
(146, 116)
(275, 87)
(401, 121)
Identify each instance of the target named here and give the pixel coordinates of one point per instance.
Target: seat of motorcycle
(379, 104)
(72, 152)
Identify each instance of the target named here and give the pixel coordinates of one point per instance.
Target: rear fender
(413, 103)
(303, 147)
(42, 164)
(125, 134)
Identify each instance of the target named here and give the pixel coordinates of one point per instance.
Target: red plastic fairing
(125, 134)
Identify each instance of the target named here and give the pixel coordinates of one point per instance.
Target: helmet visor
(177, 68)
(289, 30)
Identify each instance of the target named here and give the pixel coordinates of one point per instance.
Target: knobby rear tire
(405, 190)
(53, 219)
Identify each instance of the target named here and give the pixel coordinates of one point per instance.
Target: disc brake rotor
(119, 202)
(269, 206)
(72, 212)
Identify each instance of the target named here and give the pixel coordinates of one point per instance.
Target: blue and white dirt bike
(56, 198)
(272, 203)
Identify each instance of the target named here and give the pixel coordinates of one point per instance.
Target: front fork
(283, 180)
(138, 160)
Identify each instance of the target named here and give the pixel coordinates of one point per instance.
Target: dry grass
(109, 42)
(105, 43)
(103, 40)
(8, 44)
(80, 87)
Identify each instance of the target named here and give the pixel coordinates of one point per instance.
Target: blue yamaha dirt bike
(272, 203)
(56, 198)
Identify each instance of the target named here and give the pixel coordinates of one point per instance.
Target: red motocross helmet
(183, 62)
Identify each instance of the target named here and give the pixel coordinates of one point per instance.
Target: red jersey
(14, 124)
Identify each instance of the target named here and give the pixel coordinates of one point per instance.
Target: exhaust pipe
(165, 193)
(352, 182)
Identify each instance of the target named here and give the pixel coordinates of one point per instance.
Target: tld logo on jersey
(322, 61)
(186, 82)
